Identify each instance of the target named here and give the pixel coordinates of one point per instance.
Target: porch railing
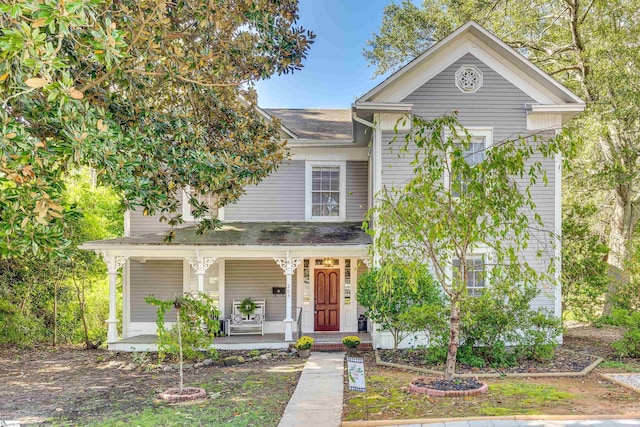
(299, 321)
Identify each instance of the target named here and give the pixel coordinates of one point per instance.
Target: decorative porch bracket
(201, 264)
(113, 265)
(289, 265)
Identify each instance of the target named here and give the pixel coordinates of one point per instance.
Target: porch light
(328, 262)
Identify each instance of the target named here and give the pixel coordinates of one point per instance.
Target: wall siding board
(357, 190)
(255, 279)
(279, 197)
(162, 278)
(498, 105)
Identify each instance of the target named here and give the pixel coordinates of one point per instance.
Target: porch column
(289, 265)
(201, 264)
(113, 265)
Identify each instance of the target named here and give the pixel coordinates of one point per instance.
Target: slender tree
(452, 207)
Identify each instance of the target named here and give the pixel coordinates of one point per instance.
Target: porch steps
(337, 346)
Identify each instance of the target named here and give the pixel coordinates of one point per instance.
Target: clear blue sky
(335, 73)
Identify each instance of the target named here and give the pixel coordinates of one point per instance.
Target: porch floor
(240, 342)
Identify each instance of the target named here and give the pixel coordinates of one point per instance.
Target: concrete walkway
(317, 400)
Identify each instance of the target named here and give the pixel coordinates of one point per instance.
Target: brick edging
(582, 373)
(446, 393)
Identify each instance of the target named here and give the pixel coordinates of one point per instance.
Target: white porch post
(289, 265)
(113, 265)
(201, 264)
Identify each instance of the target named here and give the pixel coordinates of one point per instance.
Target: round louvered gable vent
(468, 79)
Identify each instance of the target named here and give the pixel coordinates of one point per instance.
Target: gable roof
(317, 124)
(475, 39)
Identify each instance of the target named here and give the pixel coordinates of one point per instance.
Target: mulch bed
(563, 361)
(457, 384)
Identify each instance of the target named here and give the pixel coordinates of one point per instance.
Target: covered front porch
(304, 273)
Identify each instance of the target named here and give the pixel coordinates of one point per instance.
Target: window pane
(475, 274)
(325, 191)
(306, 288)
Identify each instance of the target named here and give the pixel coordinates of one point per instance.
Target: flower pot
(352, 351)
(304, 352)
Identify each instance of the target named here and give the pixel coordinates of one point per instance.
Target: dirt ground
(75, 385)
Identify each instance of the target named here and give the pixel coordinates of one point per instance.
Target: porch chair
(241, 324)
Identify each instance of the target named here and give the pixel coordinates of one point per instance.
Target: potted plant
(352, 343)
(247, 307)
(303, 345)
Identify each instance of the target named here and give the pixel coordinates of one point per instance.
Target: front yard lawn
(389, 397)
(98, 388)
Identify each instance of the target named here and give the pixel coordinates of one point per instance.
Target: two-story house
(295, 240)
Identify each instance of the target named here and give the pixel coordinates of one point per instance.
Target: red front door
(327, 299)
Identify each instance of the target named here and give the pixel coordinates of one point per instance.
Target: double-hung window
(476, 274)
(475, 152)
(210, 200)
(326, 191)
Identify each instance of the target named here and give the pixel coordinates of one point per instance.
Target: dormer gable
(549, 96)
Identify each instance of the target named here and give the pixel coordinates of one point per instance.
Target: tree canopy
(154, 96)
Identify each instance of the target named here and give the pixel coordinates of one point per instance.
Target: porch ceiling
(253, 234)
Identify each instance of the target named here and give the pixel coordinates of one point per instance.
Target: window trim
(186, 206)
(478, 252)
(487, 132)
(342, 213)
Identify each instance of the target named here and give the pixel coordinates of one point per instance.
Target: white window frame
(342, 213)
(483, 252)
(487, 132)
(186, 206)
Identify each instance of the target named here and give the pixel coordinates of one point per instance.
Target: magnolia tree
(463, 200)
(155, 96)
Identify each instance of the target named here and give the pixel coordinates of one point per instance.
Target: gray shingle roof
(256, 234)
(315, 123)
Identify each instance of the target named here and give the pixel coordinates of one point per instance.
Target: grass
(388, 397)
(613, 364)
(235, 399)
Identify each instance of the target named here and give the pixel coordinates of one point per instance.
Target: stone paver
(317, 399)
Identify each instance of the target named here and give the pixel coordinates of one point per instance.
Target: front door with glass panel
(327, 300)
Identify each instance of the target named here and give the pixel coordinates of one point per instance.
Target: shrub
(351, 341)
(629, 345)
(304, 343)
(390, 292)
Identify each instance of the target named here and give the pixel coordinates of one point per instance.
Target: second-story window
(326, 185)
(210, 200)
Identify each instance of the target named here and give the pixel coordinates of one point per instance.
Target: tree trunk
(180, 347)
(83, 315)
(55, 313)
(454, 332)
(623, 222)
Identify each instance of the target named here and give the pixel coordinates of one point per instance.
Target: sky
(335, 73)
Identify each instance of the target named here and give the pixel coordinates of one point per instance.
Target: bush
(500, 327)
(304, 343)
(392, 291)
(629, 345)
